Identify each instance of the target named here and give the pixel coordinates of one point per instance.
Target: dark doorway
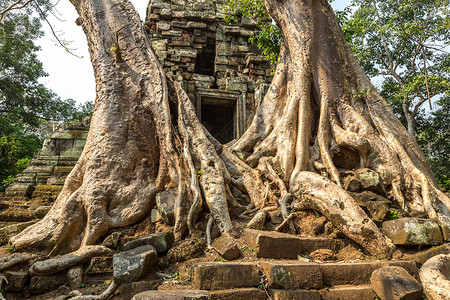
(205, 61)
(219, 120)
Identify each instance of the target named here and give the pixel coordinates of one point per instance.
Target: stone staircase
(31, 195)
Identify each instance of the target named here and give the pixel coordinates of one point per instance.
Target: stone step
(235, 294)
(223, 275)
(271, 244)
(289, 275)
(362, 292)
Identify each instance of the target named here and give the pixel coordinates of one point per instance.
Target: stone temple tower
(224, 75)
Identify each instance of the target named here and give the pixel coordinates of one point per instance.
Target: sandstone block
(131, 265)
(292, 275)
(162, 241)
(296, 294)
(370, 180)
(44, 284)
(172, 295)
(444, 222)
(165, 202)
(348, 293)
(187, 250)
(413, 231)
(269, 244)
(335, 274)
(395, 283)
(227, 247)
(219, 276)
(112, 240)
(238, 294)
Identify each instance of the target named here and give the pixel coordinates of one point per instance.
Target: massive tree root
(145, 138)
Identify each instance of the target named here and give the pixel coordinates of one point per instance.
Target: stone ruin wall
(213, 60)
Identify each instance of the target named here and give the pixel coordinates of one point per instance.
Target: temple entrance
(222, 113)
(219, 122)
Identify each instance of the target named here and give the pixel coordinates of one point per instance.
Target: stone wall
(29, 197)
(213, 60)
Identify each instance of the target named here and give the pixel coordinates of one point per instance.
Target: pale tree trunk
(145, 137)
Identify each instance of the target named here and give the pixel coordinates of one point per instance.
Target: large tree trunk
(145, 137)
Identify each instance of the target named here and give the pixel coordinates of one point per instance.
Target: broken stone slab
(413, 231)
(348, 293)
(225, 275)
(100, 265)
(131, 265)
(395, 283)
(162, 241)
(16, 281)
(238, 294)
(435, 277)
(370, 180)
(292, 275)
(43, 284)
(165, 202)
(270, 244)
(172, 295)
(227, 247)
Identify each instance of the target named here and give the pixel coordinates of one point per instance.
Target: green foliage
(17, 147)
(434, 138)
(403, 44)
(394, 214)
(269, 38)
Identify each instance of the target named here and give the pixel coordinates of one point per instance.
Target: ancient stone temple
(224, 75)
(29, 197)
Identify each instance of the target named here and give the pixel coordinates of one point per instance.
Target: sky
(72, 77)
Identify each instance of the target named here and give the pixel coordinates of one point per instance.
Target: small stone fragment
(370, 180)
(162, 241)
(155, 216)
(131, 265)
(227, 247)
(258, 220)
(395, 283)
(165, 202)
(112, 240)
(413, 231)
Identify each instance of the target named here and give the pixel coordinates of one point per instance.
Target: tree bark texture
(145, 137)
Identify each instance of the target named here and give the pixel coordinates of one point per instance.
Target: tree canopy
(25, 104)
